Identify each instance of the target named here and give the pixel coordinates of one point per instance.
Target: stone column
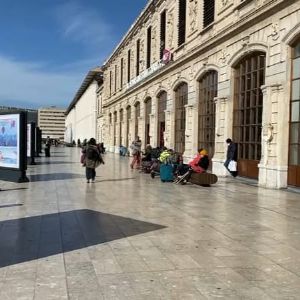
(275, 132)
(223, 130)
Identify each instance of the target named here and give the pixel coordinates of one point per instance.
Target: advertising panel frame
(18, 173)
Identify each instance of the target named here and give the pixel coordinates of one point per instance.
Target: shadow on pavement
(55, 162)
(14, 189)
(36, 237)
(112, 180)
(53, 176)
(10, 205)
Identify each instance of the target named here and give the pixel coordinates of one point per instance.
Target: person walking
(136, 152)
(231, 158)
(47, 147)
(93, 159)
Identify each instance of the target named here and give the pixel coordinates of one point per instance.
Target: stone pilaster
(170, 129)
(190, 131)
(221, 134)
(275, 132)
(153, 129)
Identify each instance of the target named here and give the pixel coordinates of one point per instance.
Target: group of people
(150, 160)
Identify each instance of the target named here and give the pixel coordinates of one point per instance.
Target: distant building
(32, 114)
(81, 115)
(51, 121)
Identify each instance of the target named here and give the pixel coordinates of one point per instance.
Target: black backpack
(91, 154)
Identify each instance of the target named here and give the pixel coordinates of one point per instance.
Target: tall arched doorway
(128, 117)
(137, 115)
(208, 90)
(181, 99)
(115, 128)
(294, 143)
(247, 114)
(161, 118)
(121, 126)
(148, 105)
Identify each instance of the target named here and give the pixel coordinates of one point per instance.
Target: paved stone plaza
(130, 237)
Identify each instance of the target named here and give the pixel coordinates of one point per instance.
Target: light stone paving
(130, 237)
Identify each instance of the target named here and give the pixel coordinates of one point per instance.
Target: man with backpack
(93, 159)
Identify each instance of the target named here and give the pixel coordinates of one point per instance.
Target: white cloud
(30, 82)
(84, 25)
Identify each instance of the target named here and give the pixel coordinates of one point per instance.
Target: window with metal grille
(137, 115)
(138, 43)
(208, 90)
(128, 109)
(115, 128)
(182, 22)
(121, 127)
(209, 12)
(149, 31)
(181, 99)
(248, 106)
(162, 33)
(162, 106)
(121, 73)
(128, 65)
(148, 105)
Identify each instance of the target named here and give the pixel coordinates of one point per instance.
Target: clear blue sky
(48, 46)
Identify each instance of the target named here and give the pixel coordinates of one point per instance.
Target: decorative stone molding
(224, 57)
(275, 31)
(193, 12)
(170, 29)
(221, 100)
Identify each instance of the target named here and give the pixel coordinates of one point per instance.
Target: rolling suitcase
(166, 173)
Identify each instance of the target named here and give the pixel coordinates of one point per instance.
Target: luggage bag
(166, 173)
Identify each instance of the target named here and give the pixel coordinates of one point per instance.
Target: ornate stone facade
(263, 29)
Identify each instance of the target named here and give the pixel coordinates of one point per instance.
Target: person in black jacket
(231, 155)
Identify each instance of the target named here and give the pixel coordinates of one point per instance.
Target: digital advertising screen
(10, 141)
(29, 140)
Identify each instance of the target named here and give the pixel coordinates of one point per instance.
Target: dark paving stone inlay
(36, 237)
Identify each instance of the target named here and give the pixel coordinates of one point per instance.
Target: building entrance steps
(128, 236)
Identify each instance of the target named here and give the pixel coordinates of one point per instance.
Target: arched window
(161, 118)
(128, 110)
(115, 128)
(247, 115)
(148, 104)
(181, 99)
(294, 143)
(121, 126)
(208, 90)
(137, 115)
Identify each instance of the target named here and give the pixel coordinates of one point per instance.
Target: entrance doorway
(247, 114)
(294, 143)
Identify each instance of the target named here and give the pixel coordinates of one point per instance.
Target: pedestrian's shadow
(114, 179)
(27, 239)
(53, 176)
(54, 162)
(10, 205)
(13, 189)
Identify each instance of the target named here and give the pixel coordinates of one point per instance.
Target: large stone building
(235, 72)
(51, 121)
(81, 115)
